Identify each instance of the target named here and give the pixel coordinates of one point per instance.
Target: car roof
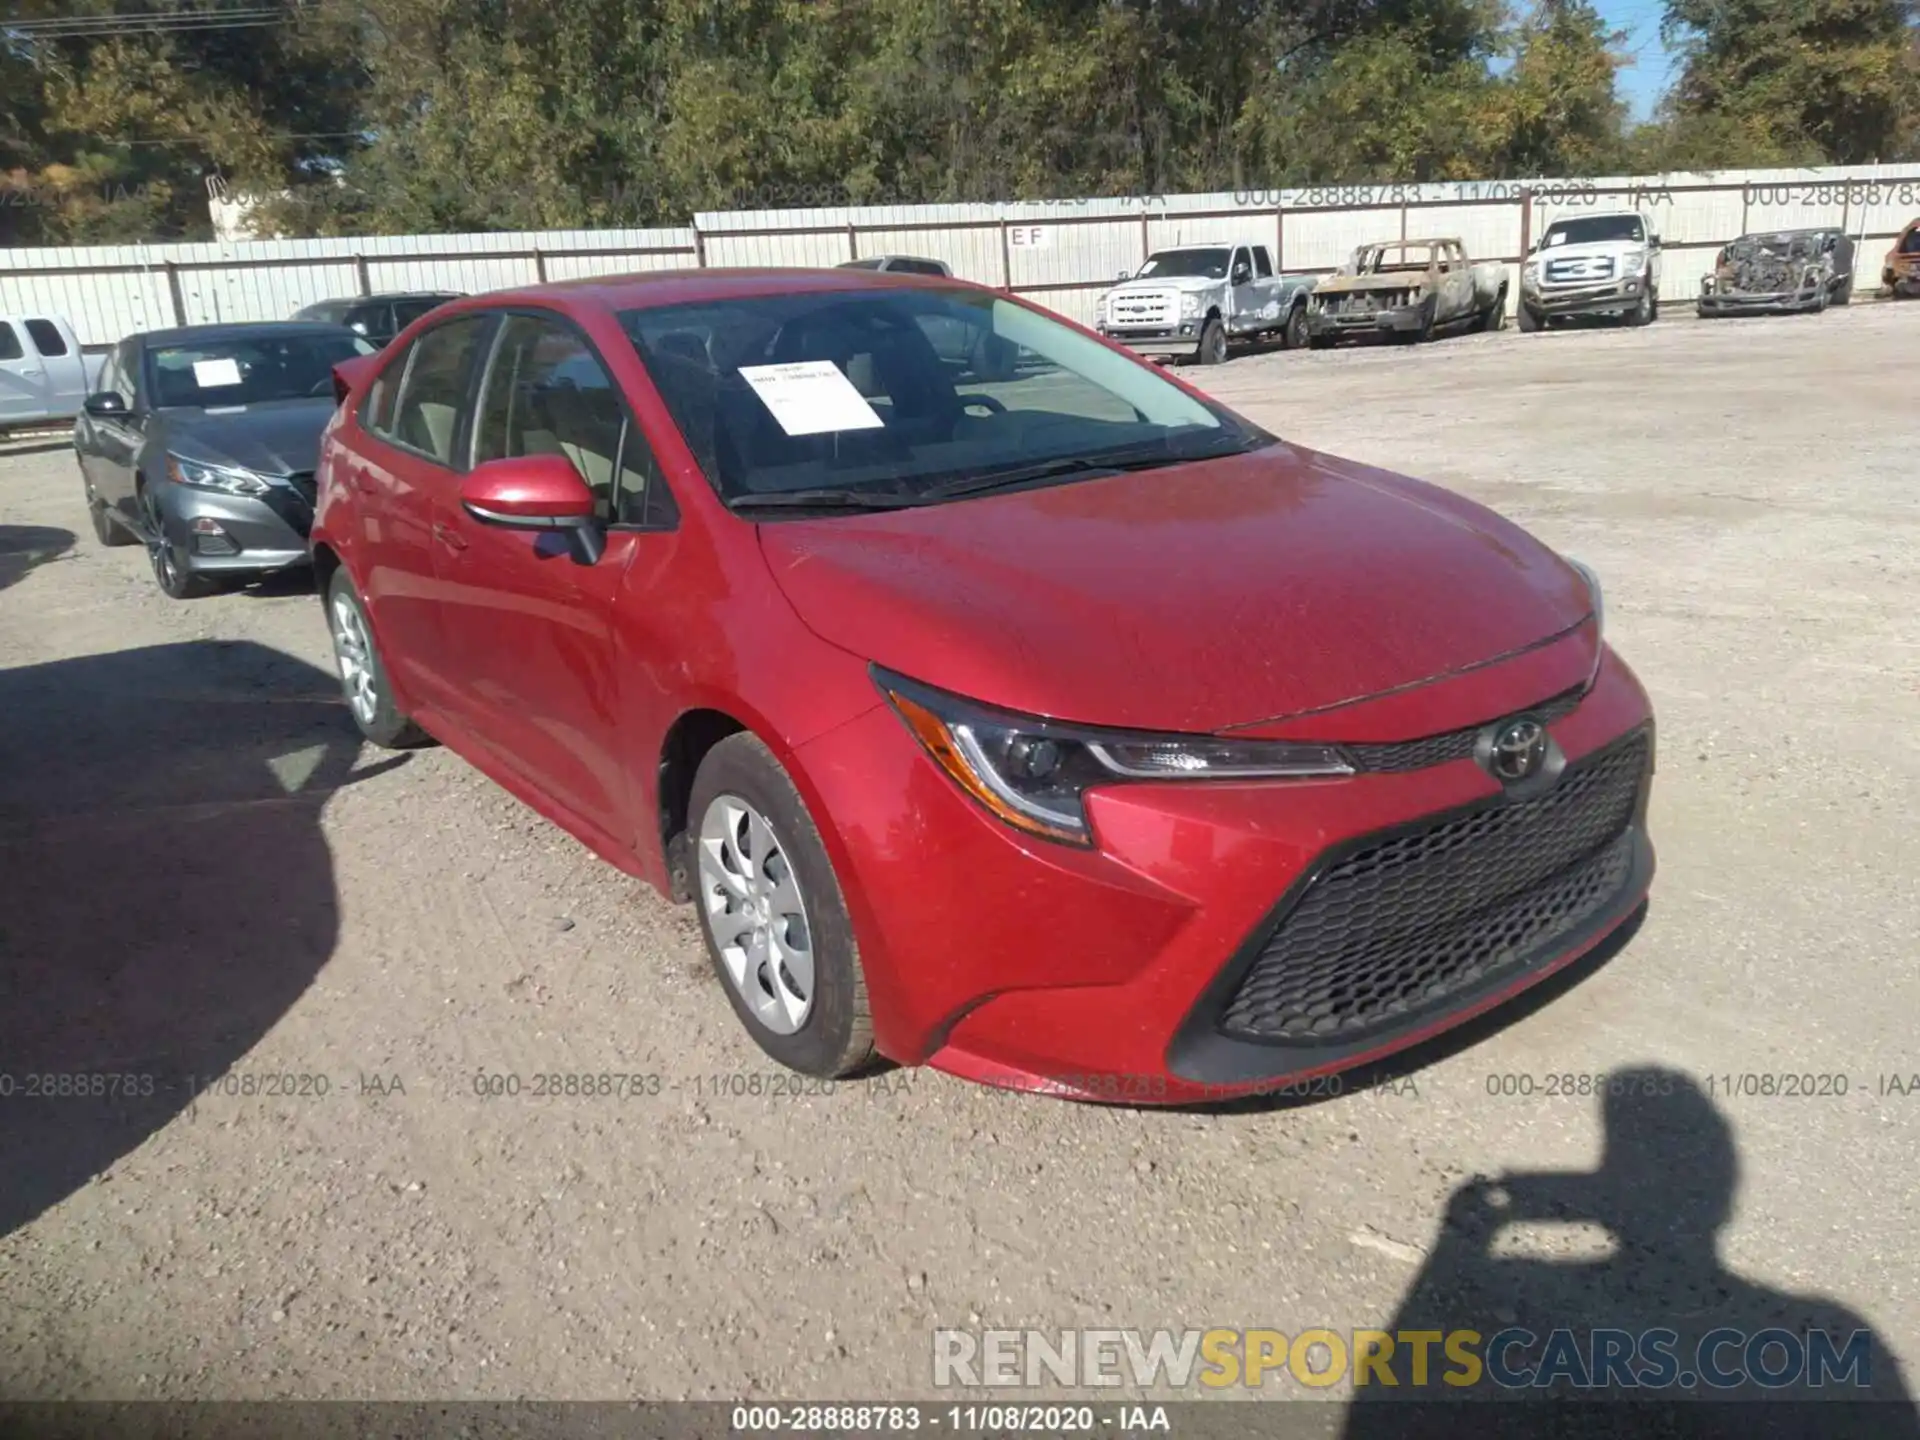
(654, 288)
(238, 330)
(385, 296)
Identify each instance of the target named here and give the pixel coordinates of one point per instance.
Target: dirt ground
(203, 874)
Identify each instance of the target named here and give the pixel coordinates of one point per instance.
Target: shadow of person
(1655, 1306)
(24, 548)
(166, 891)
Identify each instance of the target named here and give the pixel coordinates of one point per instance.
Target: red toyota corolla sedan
(1002, 703)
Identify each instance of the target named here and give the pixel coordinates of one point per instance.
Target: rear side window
(433, 396)
(10, 343)
(405, 312)
(1262, 264)
(46, 338)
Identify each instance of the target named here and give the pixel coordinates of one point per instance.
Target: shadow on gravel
(25, 548)
(166, 892)
(1696, 1335)
(39, 445)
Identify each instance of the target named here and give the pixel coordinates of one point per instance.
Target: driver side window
(547, 393)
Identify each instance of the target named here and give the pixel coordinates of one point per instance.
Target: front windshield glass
(1199, 264)
(895, 392)
(251, 369)
(1591, 229)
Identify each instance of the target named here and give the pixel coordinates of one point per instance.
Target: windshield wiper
(1111, 463)
(822, 500)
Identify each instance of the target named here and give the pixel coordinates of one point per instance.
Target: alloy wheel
(756, 914)
(353, 650)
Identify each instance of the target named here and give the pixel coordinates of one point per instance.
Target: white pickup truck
(44, 375)
(1194, 301)
(1592, 265)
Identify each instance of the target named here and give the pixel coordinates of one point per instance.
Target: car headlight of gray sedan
(204, 475)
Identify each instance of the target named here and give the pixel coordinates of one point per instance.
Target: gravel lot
(201, 870)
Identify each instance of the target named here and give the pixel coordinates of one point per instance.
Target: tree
(1793, 80)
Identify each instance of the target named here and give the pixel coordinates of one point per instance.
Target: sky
(1641, 84)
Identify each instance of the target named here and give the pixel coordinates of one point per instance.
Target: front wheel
(106, 529)
(1845, 296)
(1213, 344)
(363, 676)
(1295, 334)
(1528, 318)
(1642, 312)
(1496, 316)
(176, 579)
(774, 920)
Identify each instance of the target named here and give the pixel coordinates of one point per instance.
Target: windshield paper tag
(211, 374)
(811, 397)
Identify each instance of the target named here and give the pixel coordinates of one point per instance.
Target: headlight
(1189, 307)
(1633, 264)
(225, 478)
(1530, 271)
(1586, 573)
(1034, 774)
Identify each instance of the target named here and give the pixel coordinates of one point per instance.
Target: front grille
(1365, 302)
(1579, 269)
(1402, 925)
(1401, 755)
(1143, 309)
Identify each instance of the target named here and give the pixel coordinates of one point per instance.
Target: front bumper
(1181, 339)
(1781, 302)
(1399, 320)
(1614, 296)
(216, 533)
(1901, 279)
(1113, 973)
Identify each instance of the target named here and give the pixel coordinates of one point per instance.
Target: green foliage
(356, 116)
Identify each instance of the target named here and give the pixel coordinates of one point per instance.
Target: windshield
(251, 369)
(892, 393)
(1910, 243)
(1202, 264)
(1590, 229)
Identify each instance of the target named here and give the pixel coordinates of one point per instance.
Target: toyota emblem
(1518, 750)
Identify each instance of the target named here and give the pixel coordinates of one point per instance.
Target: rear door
(1244, 290)
(405, 476)
(24, 395)
(66, 371)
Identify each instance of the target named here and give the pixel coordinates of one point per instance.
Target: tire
(106, 529)
(1642, 312)
(1496, 316)
(1656, 305)
(1294, 335)
(1845, 297)
(1319, 342)
(171, 573)
(755, 843)
(363, 675)
(1425, 332)
(1527, 319)
(1212, 349)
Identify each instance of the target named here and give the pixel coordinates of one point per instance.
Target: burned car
(1780, 272)
(1408, 289)
(1900, 271)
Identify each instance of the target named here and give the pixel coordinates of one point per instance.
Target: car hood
(280, 437)
(1591, 249)
(1194, 598)
(1169, 282)
(1338, 284)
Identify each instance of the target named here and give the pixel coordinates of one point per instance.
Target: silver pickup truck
(1197, 300)
(1408, 288)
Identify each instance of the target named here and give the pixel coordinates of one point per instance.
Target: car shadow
(169, 889)
(25, 548)
(1682, 1323)
(275, 584)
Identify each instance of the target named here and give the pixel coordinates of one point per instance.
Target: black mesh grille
(1454, 745)
(1399, 927)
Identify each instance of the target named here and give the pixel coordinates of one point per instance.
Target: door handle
(449, 537)
(27, 370)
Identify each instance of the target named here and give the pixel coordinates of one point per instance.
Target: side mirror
(105, 404)
(536, 492)
(1123, 275)
(1656, 242)
(1242, 275)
